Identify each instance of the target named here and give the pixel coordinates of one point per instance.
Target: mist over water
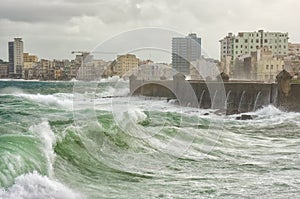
(66, 140)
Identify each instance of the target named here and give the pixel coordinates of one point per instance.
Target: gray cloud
(82, 24)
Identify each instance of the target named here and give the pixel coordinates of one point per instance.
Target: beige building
(28, 65)
(30, 58)
(294, 49)
(3, 70)
(292, 64)
(125, 64)
(262, 65)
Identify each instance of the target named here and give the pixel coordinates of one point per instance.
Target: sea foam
(33, 185)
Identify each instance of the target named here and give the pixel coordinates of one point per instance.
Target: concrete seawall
(232, 97)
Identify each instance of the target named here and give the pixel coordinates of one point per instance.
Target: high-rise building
(184, 51)
(15, 53)
(244, 43)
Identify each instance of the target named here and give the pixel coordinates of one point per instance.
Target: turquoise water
(74, 140)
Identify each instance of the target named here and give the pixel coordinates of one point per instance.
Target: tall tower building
(184, 51)
(15, 57)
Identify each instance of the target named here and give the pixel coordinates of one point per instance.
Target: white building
(247, 42)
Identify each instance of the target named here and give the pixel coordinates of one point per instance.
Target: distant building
(184, 51)
(294, 49)
(3, 70)
(30, 58)
(236, 46)
(125, 64)
(15, 57)
(43, 70)
(261, 65)
(292, 64)
(226, 46)
(29, 63)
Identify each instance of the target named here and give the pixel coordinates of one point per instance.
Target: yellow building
(124, 64)
(29, 60)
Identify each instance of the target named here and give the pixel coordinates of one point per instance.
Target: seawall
(231, 97)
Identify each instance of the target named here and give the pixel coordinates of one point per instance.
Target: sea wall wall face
(290, 102)
(232, 97)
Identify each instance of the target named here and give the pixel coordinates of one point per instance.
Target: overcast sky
(52, 29)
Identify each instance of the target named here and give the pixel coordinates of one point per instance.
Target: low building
(30, 58)
(3, 70)
(124, 64)
(292, 64)
(294, 49)
(28, 65)
(261, 65)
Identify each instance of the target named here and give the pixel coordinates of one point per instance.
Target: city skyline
(54, 29)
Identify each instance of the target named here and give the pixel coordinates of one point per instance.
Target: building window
(246, 40)
(257, 40)
(251, 40)
(266, 41)
(251, 47)
(267, 67)
(271, 67)
(237, 41)
(241, 46)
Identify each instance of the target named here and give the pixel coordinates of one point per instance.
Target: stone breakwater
(228, 96)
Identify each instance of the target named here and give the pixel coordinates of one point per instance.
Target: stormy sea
(94, 140)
